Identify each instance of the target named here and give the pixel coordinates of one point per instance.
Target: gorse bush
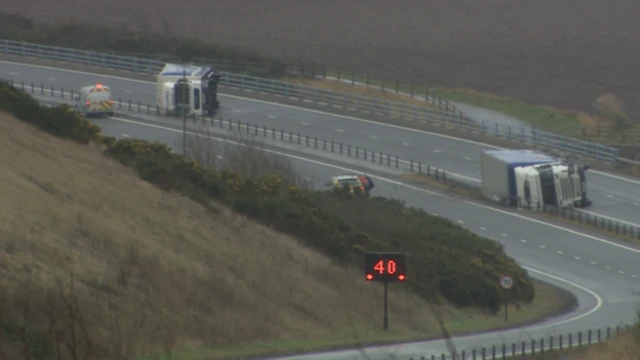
(444, 258)
(125, 42)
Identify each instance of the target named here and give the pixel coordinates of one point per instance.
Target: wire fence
(535, 348)
(454, 182)
(441, 115)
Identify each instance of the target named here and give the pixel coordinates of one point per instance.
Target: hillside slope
(155, 270)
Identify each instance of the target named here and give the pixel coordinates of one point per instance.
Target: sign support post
(386, 314)
(506, 282)
(385, 267)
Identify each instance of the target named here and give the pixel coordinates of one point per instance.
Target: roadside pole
(506, 282)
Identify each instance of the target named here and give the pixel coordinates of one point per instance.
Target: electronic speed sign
(385, 266)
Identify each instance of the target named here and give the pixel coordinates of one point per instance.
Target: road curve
(601, 273)
(614, 196)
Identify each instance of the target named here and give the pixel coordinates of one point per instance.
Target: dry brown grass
(334, 85)
(626, 346)
(104, 262)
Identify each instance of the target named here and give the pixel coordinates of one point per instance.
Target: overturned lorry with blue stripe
(530, 179)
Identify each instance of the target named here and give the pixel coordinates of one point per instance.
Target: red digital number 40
(385, 266)
(390, 268)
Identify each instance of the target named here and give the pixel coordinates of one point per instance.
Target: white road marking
(271, 116)
(576, 257)
(468, 158)
(53, 79)
(608, 267)
(310, 111)
(557, 227)
(306, 123)
(593, 263)
(406, 144)
(128, 91)
(542, 247)
(235, 110)
(609, 196)
(373, 137)
(636, 204)
(461, 222)
(633, 276)
(125, 136)
(13, 73)
(621, 272)
(523, 240)
(559, 252)
(504, 235)
(434, 214)
(219, 156)
(398, 183)
(482, 228)
(340, 130)
(437, 151)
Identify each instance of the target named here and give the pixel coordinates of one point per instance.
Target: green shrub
(444, 258)
(124, 42)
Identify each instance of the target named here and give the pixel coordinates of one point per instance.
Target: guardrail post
(238, 125)
(22, 84)
(306, 139)
(464, 355)
(513, 350)
(340, 148)
(617, 330)
(522, 348)
(560, 341)
(248, 126)
(315, 139)
(264, 130)
(380, 157)
(299, 140)
(373, 156)
(533, 347)
(493, 351)
(396, 161)
(149, 111)
(579, 338)
(484, 353)
(51, 90)
(388, 160)
(138, 106)
(365, 154)
(41, 89)
(570, 340)
(32, 88)
(420, 167)
(281, 134)
(509, 132)
(551, 342)
(541, 346)
(273, 133)
(332, 146)
(230, 124)
(608, 333)
(411, 162)
(129, 101)
(290, 136)
(348, 149)
(357, 153)
(599, 335)
(255, 130)
(473, 354)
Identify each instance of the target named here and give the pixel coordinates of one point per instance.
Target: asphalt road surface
(613, 196)
(602, 273)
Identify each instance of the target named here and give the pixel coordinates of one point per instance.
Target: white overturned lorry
(529, 179)
(185, 89)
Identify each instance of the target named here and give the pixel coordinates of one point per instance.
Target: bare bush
(612, 108)
(245, 154)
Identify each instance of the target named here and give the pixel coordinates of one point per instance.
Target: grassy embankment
(97, 261)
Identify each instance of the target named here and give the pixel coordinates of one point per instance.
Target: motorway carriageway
(613, 196)
(601, 273)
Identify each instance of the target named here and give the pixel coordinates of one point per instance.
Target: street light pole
(184, 113)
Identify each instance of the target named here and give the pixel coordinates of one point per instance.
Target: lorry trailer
(531, 179)
(187, 90)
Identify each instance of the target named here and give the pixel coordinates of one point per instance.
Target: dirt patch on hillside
(559, 53)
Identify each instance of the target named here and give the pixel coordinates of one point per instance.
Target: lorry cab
(95, 100)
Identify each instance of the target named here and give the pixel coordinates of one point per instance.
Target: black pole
(506, 305)
(184, 115)
(386, 315)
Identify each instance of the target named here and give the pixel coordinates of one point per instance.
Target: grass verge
(109, 266)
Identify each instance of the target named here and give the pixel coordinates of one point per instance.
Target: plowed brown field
(561, 53)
